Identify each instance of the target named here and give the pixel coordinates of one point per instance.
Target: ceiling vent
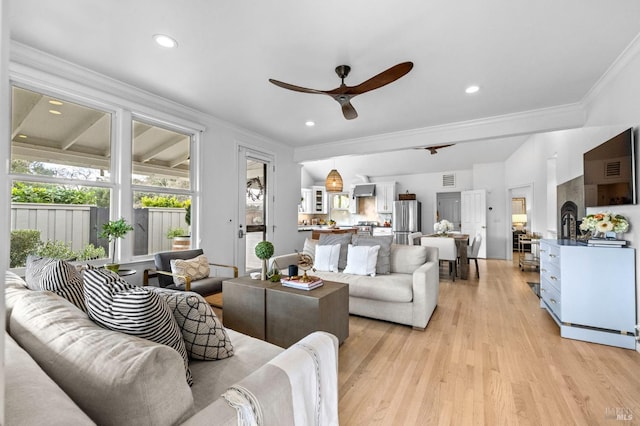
(612, 169)
(449, 180)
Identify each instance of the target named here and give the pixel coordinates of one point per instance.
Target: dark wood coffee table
(283, 315)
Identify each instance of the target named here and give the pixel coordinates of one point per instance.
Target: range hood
(364, 190)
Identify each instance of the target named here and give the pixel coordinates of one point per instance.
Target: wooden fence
(81, 224)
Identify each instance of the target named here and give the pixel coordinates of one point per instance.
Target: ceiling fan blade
(382, 79)
(295, 88)
(348, 110)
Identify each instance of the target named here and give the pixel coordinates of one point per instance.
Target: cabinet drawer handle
(543, 290)
(553, 278)
(543, 270)
(542, 251)
(553, 301)
(552, 255)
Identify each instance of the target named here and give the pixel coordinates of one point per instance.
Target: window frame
(123, 112)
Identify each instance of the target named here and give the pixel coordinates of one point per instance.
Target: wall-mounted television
(609, 172)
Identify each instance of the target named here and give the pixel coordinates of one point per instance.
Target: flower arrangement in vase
(442, 227)
(599, 224)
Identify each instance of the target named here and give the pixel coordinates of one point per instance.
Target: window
(71, 173)
(61, 177)
(161, 183)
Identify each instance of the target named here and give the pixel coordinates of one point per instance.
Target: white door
(474, 217)
(255, 208)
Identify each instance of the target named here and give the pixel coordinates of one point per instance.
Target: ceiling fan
(434, 149)
(344, 93)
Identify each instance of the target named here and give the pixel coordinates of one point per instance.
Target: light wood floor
(489, 356)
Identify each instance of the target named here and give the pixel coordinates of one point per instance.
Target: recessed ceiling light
(472, 89)
(22, 136)
(54, 102)
(309, 123)
(54, 112)
(165, 41)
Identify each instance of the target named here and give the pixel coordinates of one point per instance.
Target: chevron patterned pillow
(117, 305)
(197, 268)
(57, 276)
(204, 336)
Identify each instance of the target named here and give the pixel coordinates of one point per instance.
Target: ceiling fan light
(333, 182)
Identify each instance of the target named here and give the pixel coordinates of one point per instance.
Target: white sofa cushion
(327, 257)
(204, 336)
(105, 372)
(390, 288)
(117, 305)
(406, 259)
(383, 264)
(361, 260)
(31, 394)
(343, 239)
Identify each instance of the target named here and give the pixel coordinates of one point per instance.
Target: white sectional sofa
(407, 295)
(62, 368)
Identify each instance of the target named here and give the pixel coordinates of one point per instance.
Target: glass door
(254, 206)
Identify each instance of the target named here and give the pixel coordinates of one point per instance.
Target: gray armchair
(205, 286)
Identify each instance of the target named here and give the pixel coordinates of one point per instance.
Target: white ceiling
(524, 55)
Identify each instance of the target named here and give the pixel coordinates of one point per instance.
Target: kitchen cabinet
(319, 200)
(306, 205)
(589, 292)
(385, 196)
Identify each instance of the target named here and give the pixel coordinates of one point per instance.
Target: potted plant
(180, 237)
(112, 231)
(264, 250)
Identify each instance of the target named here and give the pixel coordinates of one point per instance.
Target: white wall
(611, 107)
(426, 186)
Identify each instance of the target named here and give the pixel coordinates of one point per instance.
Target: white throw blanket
(314, 396)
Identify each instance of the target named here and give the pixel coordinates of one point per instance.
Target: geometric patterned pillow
(204, 336)
(197, 268)
(117, 305)
(57, 276)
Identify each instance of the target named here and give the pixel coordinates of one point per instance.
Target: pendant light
(333, 182)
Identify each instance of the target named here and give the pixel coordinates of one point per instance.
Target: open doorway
(520, 215)
(449, 208)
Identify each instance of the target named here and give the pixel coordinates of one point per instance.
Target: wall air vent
(612, 169)
(449, 180)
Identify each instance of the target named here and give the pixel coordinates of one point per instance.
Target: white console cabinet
(590, 292)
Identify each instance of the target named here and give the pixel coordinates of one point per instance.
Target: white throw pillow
(197, 268)
(362, 260)
(327, 257)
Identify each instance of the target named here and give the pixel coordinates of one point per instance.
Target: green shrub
(42, 193)
(162, 201)
(56, 250)
(176, 232)
(90, 252)
(23, 243)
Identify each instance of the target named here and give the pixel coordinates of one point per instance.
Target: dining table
(462, 242)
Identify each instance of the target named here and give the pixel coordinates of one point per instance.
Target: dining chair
(446, 251)
(412, 238)
(472, 251)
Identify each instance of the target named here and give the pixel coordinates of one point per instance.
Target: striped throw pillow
(117, 305)
(57, 276)
(204, 336)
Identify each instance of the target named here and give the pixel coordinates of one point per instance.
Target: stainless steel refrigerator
(406, 219)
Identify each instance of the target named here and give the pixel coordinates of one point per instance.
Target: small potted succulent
(264, 250)
(112, 231)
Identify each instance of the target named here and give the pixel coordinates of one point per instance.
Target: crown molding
(515, 124)
(630, 53)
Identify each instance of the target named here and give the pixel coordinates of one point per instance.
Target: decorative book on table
(603, 242)
(296, 282)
